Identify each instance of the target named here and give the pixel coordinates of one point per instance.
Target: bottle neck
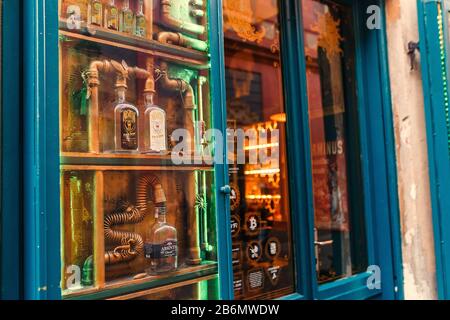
(126, 5)
(149, 99)
(121, 95)
(112, 3)
(160, 214)
(141, 8)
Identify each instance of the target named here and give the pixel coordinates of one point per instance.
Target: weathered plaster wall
(412, 161)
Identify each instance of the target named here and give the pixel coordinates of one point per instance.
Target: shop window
(262, 253)
(132, 73)
(340, 235)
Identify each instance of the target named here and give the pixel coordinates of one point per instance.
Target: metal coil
(131, 245)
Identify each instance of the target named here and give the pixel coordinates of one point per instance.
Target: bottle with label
(141, 22)
(112, 16)
(155, 140)
(127, 21)
(126, 123)
(96, 13)
(161, 245)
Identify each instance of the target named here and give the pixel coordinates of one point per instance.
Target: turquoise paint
(437, 134)
(41, 150)
(10, 206)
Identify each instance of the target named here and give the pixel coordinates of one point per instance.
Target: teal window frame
(436, 67)
(10, 172)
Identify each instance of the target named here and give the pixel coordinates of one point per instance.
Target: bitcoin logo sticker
(253, 224)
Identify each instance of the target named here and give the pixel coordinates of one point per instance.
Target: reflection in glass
(340, 240)
(261, 226)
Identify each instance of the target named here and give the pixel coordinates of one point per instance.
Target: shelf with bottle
(149, 24)
(113, 114)
(134, 230)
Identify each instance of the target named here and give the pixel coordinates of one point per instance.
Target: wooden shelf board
(128, 285)
(193, 58)
(103, 162)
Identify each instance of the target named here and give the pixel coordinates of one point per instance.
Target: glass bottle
(155, 139)
(127, 21)
(161, 245)
(141, 22)
(96, 13)
(126, 123)
(112, 16)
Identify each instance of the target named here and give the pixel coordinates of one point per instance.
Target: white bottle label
(157, 131)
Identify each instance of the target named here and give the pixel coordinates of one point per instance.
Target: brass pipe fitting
(185, 27)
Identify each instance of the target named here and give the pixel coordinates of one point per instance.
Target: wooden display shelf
(193, 58)
(111, 161)
(127, 285)
(144, 293)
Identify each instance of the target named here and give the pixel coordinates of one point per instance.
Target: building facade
(251, 149)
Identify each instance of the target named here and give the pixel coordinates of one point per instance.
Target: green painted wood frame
(377, 154)
(435, 50)
(10, 213)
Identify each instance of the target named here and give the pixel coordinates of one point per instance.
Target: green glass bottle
(96, 13)
(127, 21)
(141, 22)
(112, 16)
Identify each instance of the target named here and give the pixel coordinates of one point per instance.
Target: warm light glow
(262, 146)
(262, 172)
(263, 197)
(279, 117)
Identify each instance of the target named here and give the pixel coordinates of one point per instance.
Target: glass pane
(261, 225)
(137, 186)
(340, 238)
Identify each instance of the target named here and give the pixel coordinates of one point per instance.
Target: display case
(138, 207)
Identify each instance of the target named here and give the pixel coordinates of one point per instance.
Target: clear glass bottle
(112, 16)
(141, 21)
(155, 140)
(127, 21)
(161, 245)
(126, 123)
(96, 12)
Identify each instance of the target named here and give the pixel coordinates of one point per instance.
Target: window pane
(261, 225)
(340, 238)
(132, 74)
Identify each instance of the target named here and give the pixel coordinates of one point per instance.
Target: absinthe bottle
(126, 124)
(155, 140)
(161, 245)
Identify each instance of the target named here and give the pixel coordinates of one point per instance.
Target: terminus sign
(223, 309)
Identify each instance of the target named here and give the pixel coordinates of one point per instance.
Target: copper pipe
(159, 197)
(187, 91)
(181, 40)
(130, 245)
(178, 85)
(93, 83)
(185, 27)
(122, 72)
